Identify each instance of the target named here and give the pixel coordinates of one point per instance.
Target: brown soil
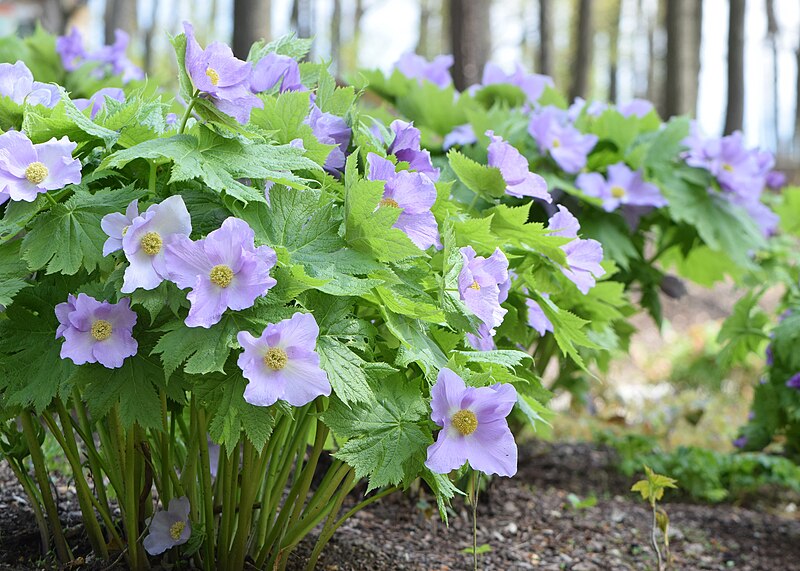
(527, 521)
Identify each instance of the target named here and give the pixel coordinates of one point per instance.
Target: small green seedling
(652, 489)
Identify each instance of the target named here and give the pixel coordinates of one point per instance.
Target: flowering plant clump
(224, 284)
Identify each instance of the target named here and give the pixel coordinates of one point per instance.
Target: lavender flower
(417, 67)
(461, 135)
(115, 225)
(168, 528)
(593, 109)
(114, 58)
(635, 107)
(482, 340)
(406, 147)
(740, 442)
(554, 134)
(414, 193)
(97, 102)
(623, 186)
(222, 77)
(27, 170)
(282, 364)
(794, 382)
(16, 83)
(532, 84)
(776, 180)
(330, 130)
(275, 69)
(583, 256)
(96, 332)
(70, 49)
(144, 242)
(225, 271)
(520, 182)
(474, 427)
(483, 285)
(537, 318)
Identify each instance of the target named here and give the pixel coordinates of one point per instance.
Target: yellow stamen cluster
(465, 422)
(221, 275)
(101, 330)
(275, 358)
(212, 75)
(176, 529)
(390, 202)
(36, 172)
(617, 191)
(151, 243)
(556, 143)
(727, 167)
(475, 285)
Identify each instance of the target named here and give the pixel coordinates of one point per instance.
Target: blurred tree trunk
(734, 116)
(148, 38)
(423, 43)
(613, 50)
(56, 14)
(772, 38)
(445, 42)
(546, 37)
(120, 14)
(336, 36)
(469, 31)
(251, 22)
(582, 42)
(684, 27)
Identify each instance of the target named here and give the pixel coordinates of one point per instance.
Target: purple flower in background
(406, 147)
(593, 109)
(70, 49)
(554, 134)
(275, 69)
(740, 442)
(583, 256)
(417, 67)
(96, 332)
(461, 135)
(623, 186)
(225, 271)
(482, 339)
(537, 318)
(116, 224)
(115, 57)
(145, 239)
(171, 119)
(532, 84)
(221, 76)
(794, 382)
(474, 427)
(97, 102)
(769, 353)
(16, 83)
(168, 528)
(282, 363)
(412, 192)
(520, 182)
(776, 180)
(330, 130)
(483, 284)
(636, 107)
(26, 170)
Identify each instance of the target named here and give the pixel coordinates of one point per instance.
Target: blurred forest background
(732, 64)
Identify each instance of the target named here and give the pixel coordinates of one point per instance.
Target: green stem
(96, 463)
(205, 486)
(310, 467)
(151, 185)
(654, 539)
(188, 113)
(166, 458)
(476, 478)
(35, 500)
(37, 457)
(131, 500)
(50, 199)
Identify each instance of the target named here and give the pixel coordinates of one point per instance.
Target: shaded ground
(527, 521)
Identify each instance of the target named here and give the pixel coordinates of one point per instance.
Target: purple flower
(330, 130)
(794, 382)
(27, 170)
(554, 134)
(483, 284)
(461, 135)
(97, 102)
(593, 109)
(222, 77)
(16, 83)
(274, 69)
(282, 364)
(474, 427)
(776, 180)
(623, 186)
(532, 84)
(636, 107)
(414, 193)
(114, 57)
(740, 442)
(417, 67)
(225, 271)
(482, 339)
(70, 48)
(168, 528)
(769, 353)
(583, 256)
(116, 225)
(96, 332)
(171, 119)
(513, 166)
(406, 147)
(537, 318)
(144, 242)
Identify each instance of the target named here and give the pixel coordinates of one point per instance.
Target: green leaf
(481, 179)
(511, 223)
(68, 237)
(456, 312)
(42, 124)
(346, 370)
(508, 358)
(415, 344)
(13, 272)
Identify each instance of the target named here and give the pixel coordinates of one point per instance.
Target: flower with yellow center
(727, 167)
(390, 202)
(221, 275)
(212, 75)
(176, 529)
(465, 422)
(475, 285)
(36, 172)
(617, 191)
(101, 330)
(275, 358)
(151, 243)
(556, 143)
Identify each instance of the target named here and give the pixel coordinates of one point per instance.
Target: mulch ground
(527, 521)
